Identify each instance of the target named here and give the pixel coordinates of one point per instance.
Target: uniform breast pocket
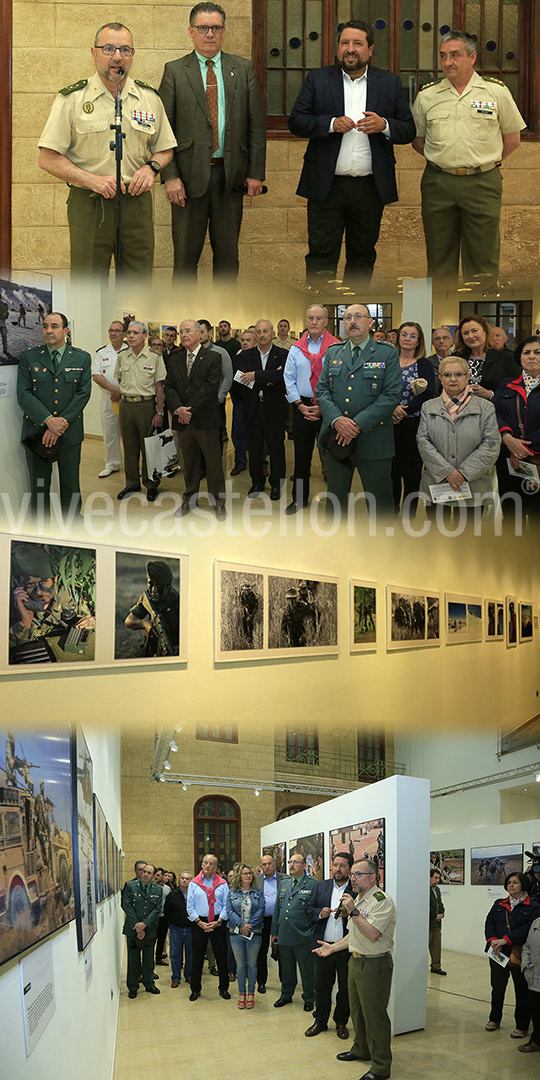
(371, 384)
(142, 134)
(486, 127)
(93, 138)
(438, 124)
(39, 376)
(72, 376)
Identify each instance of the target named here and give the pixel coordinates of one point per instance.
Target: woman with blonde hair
(245, 915)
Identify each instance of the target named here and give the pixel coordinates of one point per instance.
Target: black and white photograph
(450, 865)
(494, 620)
(23, 306)
(302, 615)
(100, 851)
(363, 616)
(365, 840)
(52, 604)
(463, 619)
(83, 840)
(525, 621)
(413, 618)
(312, 848)
(36, 878)
(240, 611)
(511, 605)
(491, 865)
(148, 605)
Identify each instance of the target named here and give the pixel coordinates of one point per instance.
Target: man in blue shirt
(206, 907)
(268, 882)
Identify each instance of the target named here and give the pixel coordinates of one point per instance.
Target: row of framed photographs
(362, 840)
(60, 858)
(488, 865)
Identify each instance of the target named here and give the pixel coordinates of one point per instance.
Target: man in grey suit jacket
(268, 882)
(212, 101)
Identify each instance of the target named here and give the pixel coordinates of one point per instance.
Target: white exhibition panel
(403, 801)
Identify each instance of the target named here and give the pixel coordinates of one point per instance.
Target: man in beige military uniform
(140, 374)
(370, 940)
(465, 125)
(75, 147)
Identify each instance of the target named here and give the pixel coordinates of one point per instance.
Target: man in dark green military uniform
(142, 905)
(54, 382)
(293, 932)
(359, 388)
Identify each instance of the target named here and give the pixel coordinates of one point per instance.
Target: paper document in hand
(444, 493)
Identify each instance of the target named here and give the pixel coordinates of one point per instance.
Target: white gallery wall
(403, 801)
(79, 1040)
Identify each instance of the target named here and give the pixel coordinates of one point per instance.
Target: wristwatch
(154, 165)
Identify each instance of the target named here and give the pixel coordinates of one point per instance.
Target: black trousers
(163, 926)
(264, 426)
(353, 207)
(262, 959)
(407, 463)
(218, 211)
(326, 969)
(499, 980)
(305, 432)
(199, 941)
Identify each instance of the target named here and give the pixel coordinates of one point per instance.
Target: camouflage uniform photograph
(147, 622)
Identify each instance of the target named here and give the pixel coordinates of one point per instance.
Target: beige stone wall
(51, 50)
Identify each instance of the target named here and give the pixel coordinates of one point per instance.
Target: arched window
(216, 829)
(288, 810)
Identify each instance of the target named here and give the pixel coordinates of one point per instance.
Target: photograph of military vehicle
(36, 850)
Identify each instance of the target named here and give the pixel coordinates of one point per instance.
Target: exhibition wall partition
(400, 807)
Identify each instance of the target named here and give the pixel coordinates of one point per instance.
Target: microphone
(118, 102)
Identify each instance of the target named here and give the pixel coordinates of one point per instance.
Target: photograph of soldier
(17, 333)
(413, 619)
(302, 614)
(36, 885)
(363, 616)
(494, 620)
(83, 840)
(147, 620)
(279, 855)
(100, 852)
(525, 621)
(511, 621)
(363, 841)
(241, 611)
(450, 865)
(312, 848)
(491, 866)
(52, 603)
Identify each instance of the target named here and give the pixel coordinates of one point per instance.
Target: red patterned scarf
(316, 359)
(210, 891)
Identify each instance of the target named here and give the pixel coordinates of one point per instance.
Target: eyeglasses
(206, 30)
(453, 375)
(349, 318)
(110, 50)
(362, 873)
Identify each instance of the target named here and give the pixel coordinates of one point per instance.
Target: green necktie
(55, 359)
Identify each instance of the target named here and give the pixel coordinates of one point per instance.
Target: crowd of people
(461, 424)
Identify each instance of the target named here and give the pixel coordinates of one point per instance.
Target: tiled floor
(211, 1036)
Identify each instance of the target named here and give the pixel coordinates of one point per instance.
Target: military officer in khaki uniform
(141, 901)
(293, 931)
(140, 374)
(358, 390)
(465, 125)
(54, 382)
(370, 940)
(75, 147)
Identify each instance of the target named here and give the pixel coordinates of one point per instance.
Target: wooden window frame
(196, 820)
(314, 751)
(219, 738)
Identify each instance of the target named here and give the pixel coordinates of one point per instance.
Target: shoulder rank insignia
(74, 86)
(426, 84)
(490, 78)
(379, 896)
(145, 85)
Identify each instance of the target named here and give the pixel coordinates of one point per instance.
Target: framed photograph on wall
(526, 630)
(24, 303)
(312, 847)
(150, 608)
(100, 851)
(413, 618)
(463, 619)
(52, 604)
(450, 864)
(110, 861)
(494, 620)
(365, 840)
(83, 839)
(239, 612)
(511, 621)
(363, 615)
(36, 823)
(491, 865)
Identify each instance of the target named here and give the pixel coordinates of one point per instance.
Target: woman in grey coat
(530, 966)
(458, 437)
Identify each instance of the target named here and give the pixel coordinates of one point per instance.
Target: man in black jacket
(321, 908)
(436, 915)
(265, 409)
(179, 930)
(352, 114)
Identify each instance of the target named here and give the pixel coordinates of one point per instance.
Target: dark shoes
(221, 512)
(308, 1006)
(315, 1029)
(255, 490)
(152, 990)
(151, 494)
(194, 995)
(123, 494)
(237, 470)
(133, 994)
(437, 971)
(529, 1048)
(161, 963)
(261, 989)
(275, 493)
(282, 1001)
(225, 995)
(349, 1056)
(375, 1076)
(342, 1032)
(293, 508)
(174, 984)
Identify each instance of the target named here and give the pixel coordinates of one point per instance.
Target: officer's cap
(32, 560)
(159, 572)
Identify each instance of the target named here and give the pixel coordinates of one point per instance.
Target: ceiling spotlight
(162, 778)
(257, 792)
(166, 766)
(537, 778)
(173, 747)
(184, 787)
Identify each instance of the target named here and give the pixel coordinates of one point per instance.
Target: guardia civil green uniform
(462, 183)
(370, 980)
(44, 389)
(295, 936)
(363, 383)
(141, 903)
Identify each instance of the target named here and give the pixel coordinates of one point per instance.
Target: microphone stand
(117, 145)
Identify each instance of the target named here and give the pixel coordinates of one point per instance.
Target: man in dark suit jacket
(436, 915)
(268, 882)
(321, 908)
(191, 393)
(54, 383)
(212, 101)
(265, 408)
(442, 342)
(352, 114)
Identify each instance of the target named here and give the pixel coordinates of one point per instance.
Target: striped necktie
(190, 361)
(212, 101)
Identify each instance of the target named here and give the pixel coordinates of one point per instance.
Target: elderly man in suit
(268, 882)
(359, 388)
(191, 392)
(352, 114)
(212, 100)
(265, 409)
(54, 383)
(323, 908)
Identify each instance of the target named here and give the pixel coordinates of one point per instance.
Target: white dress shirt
(354, 158)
